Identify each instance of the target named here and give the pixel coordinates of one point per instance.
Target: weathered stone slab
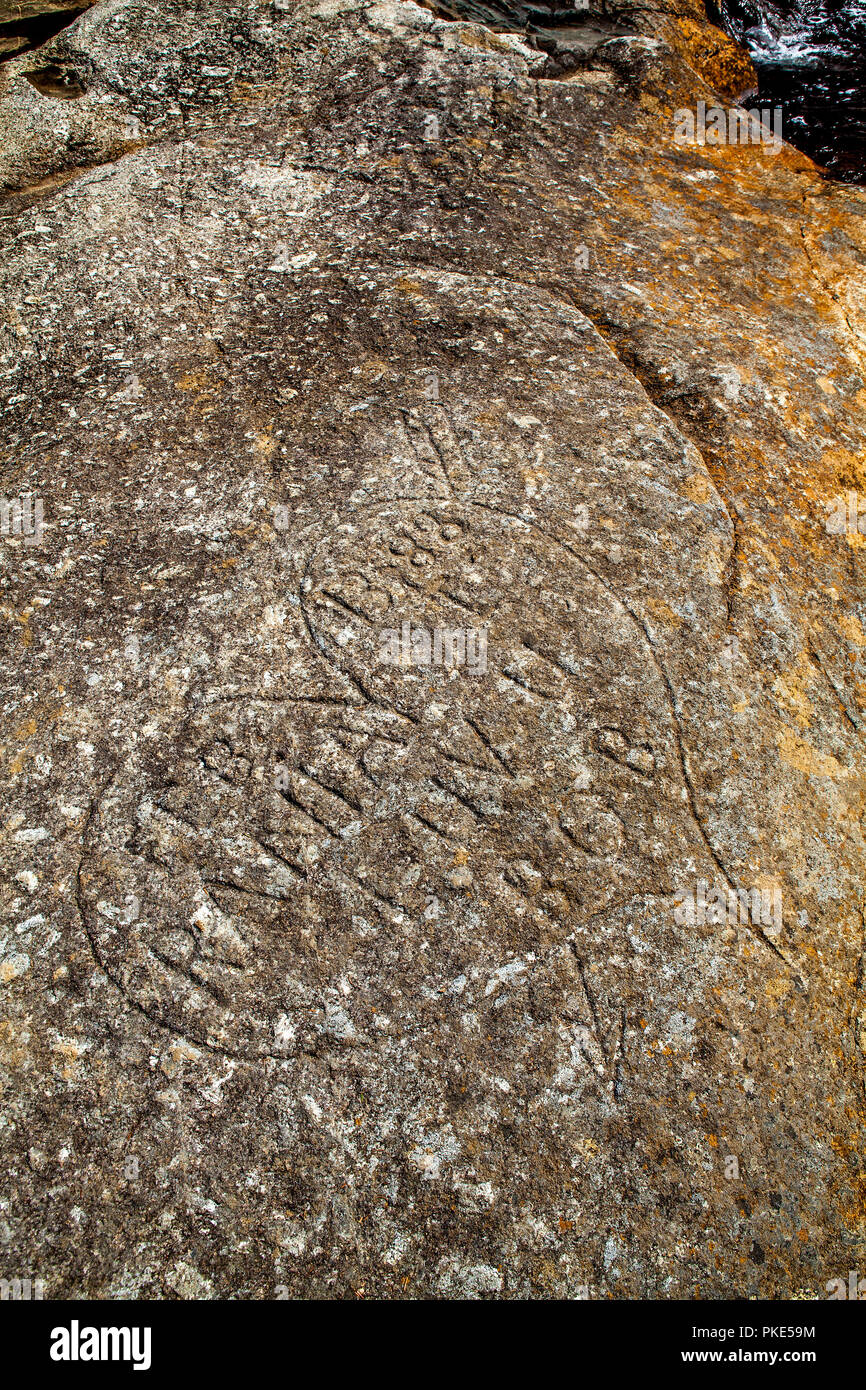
(332, 962)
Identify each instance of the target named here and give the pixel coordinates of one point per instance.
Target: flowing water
(810, 56)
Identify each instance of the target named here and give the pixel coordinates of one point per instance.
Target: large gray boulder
(433, 696)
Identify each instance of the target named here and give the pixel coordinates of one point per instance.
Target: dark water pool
(810, 56)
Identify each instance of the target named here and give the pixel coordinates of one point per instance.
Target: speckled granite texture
(330, 966)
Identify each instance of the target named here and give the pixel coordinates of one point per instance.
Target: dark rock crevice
(27, 26)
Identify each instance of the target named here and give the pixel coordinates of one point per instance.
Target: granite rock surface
(430, 643)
